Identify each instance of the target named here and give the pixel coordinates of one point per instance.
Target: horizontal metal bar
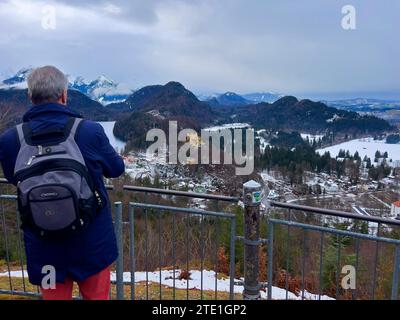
(277, 204)
(252, 242)
(334, 231)
(21, 293)
(182, 210)
(182, 193)
(8, 197)
(334, 213)
(252, 288)
(28, 294)
(5, 181)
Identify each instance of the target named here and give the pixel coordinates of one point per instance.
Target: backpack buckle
(98, 198)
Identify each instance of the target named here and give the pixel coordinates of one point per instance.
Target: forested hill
(153, 106)
(15, 103)
(288, 113)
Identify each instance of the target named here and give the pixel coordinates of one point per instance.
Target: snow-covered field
(366, 147)
(167, 279)
(108, 129)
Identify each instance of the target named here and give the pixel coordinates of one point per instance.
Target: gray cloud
(137, 10)
(295, 47)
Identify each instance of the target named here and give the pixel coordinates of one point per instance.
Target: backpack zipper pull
(30, 160)
(40, 153)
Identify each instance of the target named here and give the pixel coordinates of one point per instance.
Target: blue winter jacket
(85, 254)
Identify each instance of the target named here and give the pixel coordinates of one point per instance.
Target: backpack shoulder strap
(75, 127)
(21, 133)
(25, 134)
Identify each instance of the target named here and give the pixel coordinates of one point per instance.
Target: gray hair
(46, 84)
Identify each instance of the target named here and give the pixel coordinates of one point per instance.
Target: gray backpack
(56, 194)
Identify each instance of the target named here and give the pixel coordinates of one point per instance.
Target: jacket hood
(49, 108)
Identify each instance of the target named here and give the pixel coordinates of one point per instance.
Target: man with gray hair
(46, 85)
(84, 256)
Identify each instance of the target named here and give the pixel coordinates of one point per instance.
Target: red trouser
(96, 287)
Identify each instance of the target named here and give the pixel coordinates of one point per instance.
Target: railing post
(232, 260)
(120, 244)
(270, 258)
(395, 281)
(252, 192)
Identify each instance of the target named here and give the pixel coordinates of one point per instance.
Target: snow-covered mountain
(102, 89)
(17, 81)
(232, 98)
(206, 96)
(106, 91)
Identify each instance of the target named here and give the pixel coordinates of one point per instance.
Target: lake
(114, 141)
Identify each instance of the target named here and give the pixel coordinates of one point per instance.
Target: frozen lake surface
(115, 142)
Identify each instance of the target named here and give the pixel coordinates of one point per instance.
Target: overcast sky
(295, 47)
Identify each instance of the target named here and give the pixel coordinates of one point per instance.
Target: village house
(395, 209)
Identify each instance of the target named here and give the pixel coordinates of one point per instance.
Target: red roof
(397, 203)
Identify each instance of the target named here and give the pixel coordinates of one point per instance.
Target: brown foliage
(185, 275)
(223, 263)
(294, 285)
(262, 263)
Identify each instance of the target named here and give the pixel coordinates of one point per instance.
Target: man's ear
(64, 96)
(30, 97)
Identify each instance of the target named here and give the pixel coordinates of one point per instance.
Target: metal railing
(338, 234)
(164, 239)
(188, 213)
(190, 218)
(193, 220)
(12, 245)
(6, 247)
(192, 195)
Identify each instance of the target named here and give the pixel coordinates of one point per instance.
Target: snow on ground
(311, 137)
(15, 86)
(263, 144)
(229, 126)
(267, 177)
(167, 279)
(366, 147)
(140, 167)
